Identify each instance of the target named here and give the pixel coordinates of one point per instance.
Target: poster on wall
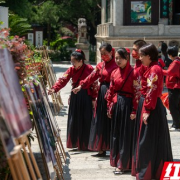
(141, 12)
(13, 105)
(31, 38)
(39, 38)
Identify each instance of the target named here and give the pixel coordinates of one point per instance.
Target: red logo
(171, 171)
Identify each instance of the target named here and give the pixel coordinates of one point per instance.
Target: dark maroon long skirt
(79, 120)
(121, 134)
(101, 125)
(153, 146)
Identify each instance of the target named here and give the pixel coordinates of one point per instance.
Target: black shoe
(100, 154)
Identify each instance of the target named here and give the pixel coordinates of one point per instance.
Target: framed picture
(44, 131)
(141, 12)
(144, 12)
(6, 136)
(13, 105)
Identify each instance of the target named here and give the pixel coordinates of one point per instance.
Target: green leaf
(23, 89)
(30, 112)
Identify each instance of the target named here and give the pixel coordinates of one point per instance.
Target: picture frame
(13, 105)
(145, 12)
(6, 137)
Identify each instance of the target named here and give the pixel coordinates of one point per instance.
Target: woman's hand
(50, 91)
(93, 104)
(109, 115)
(76, 90)
(145, 117)
(133, 116)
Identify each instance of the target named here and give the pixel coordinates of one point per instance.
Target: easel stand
(61, 147)
(56, 98)
(17, 165)
(29, 158)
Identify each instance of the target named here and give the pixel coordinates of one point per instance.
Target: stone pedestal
(85, 48)
(83, 43)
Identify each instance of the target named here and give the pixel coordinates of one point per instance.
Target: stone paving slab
(81, 165)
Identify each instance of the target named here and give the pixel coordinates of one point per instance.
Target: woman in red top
(153, 144)
(139, 70)
(173, 85)
(100, 128)
(80, 107)
(120, 105)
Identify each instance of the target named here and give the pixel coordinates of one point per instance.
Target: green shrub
(92, 56)
(60, 52)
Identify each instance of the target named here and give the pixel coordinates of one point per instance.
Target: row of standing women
(128, 118)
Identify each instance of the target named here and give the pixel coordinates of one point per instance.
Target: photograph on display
(13, 105)
(6, 137)
(140, 12)
(49, 110)
(43, 127)
(45, 109)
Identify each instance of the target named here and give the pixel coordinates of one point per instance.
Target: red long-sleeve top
(139, 70)
(77, 75)
(161, 63)
(102, 72)
(153, 79)
(173, 74)
(122, 86)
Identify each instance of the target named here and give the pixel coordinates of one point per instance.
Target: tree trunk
(49, 33)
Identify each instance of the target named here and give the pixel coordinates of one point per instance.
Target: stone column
(117, 12)
(103, 11)
(111, 12)
(4, 16)
(162, 20)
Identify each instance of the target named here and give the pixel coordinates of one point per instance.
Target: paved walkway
(81, 165)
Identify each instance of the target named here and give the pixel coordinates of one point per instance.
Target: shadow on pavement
(67, 175)
(63, 111)
(176, 160)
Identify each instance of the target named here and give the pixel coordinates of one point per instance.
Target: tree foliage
(72, 10)
(56, 13)
(18, 25)
(21, 7)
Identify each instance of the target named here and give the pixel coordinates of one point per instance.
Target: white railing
(108, 30)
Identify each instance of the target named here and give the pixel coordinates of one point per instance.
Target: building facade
(124, 21)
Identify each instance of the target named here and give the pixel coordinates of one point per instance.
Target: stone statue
(82, 42)
(82, 30)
